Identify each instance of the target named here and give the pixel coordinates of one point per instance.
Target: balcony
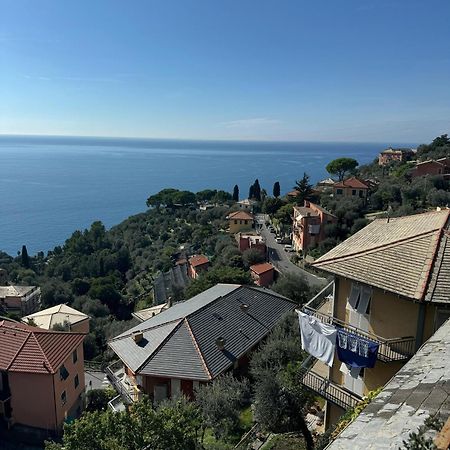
(394, 349)
(123, 384)
(322, 386)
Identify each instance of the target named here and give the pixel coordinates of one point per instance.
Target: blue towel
(356, 351)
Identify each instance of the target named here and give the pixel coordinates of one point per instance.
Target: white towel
(318, 339)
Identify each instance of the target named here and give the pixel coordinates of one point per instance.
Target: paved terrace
(420, 389)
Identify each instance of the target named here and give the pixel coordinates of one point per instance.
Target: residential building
(20, 300)
(59, 315)
(351, 187)
(42, 376)
(308, 225)
(432, 167)
(391, 291)
(240, 221)
(325, 185)
(395, 155)
(418, 391)
(145, 314)
(247, 204)
(262, 274)
(197, 264)
(195, 341)
(248, 240)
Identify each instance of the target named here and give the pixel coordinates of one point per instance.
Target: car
(288, 248)
(279, 239)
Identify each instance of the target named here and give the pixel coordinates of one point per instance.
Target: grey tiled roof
(439, 287)
(420, 389)
(399, 255)
(181, 341)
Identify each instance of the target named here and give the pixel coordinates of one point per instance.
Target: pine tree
(236, 193)
(276, 189)
(304, 189)
(25, 257)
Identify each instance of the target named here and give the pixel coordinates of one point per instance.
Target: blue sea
(52, 186)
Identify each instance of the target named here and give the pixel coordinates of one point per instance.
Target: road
(281, 259)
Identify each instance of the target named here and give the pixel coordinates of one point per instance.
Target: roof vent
(244, 307)
(220, 342)
(137, 336)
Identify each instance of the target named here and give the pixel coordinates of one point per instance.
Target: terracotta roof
(261, 268)
(198, 260)
(431, 161)
(241, 215)
(351, 182)
(398, 255)
(58, 314)
(30, 349)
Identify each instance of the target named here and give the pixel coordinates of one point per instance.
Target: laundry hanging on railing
(356, 351)
(318, 339)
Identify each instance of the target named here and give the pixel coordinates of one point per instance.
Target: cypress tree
(25, 257)
(236, 193)
(276, 189)
(251, 192)
(257, 190)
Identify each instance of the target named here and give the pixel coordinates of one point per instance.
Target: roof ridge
(18, 351)
(43, 354)
(431, 286)
(143, 330)
(379, 247)
(197, 348)
(162, 343)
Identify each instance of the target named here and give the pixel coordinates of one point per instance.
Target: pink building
(262, 274)
(251, 240)
(395, 154)
(308, 227)
(197, 264)
(41, 376)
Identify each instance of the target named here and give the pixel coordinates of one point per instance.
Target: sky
(317, 70)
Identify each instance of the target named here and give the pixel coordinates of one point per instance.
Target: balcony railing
(394, 349)
(116, 375)
(330, 391)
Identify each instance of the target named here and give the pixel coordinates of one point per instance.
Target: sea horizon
(55, 185)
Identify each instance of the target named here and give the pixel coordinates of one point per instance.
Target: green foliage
(304, 189)
(174, 426)
(220, 403)
(236, 193)
(293, 286)
(216, 275)
(271, 205)
(284, 214)
(439, 148)
(255, 191)
(24, 257)
(97, 399)
(252, 256)
(276, 189)
(341, 167)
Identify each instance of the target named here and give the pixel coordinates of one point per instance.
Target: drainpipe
(420, 325)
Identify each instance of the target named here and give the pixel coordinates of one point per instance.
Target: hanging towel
(356, 351)
(318, 339)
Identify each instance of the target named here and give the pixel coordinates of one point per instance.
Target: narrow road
(281, 259)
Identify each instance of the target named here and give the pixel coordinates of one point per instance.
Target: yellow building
(240, 221)
(391, 287)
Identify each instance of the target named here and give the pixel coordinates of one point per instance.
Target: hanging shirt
(356, 351)
(318, 339)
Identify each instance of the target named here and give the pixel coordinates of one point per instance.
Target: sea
(51, 186)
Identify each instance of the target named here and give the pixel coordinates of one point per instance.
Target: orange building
(262, 274)
(351, 187)
(41, 376)
(197, 264)
(395, 154)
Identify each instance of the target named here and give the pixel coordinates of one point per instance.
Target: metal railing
(394, 349)
(321, 298)
(121, 389)
(330, 391)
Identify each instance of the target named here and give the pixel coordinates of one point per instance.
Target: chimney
(244, 307)
(137, 336)
(220, 342)
(169, 302)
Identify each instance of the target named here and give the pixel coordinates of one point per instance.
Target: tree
(257, 190)
(236, 193)
(276, 189)
(304, 189)
(251, 192)
(341, 166)
(220, 403)
(253, 256)
(271, 205)
(294, 287)
(25, 260)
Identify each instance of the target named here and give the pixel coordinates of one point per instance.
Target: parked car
(288, 248)
(279, 239)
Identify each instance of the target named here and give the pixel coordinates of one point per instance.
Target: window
(361, 194)
(353, 191)
(235, 222)
(63, 397)
(339, 191)
(63, 373)
(74, 356)
(76, 381)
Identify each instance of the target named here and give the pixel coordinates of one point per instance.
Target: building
(432, 167)
(42, 376)
(395, 155)
(240, 221)
(262, 274)
(59, 315)
(351, 187)
(20, 300)
(391, 292)
(195, 341)
(419, 390)
(247, 204)
(250, 240)
(145, 314)
(325, 185)
(308, 225)
(197, 265)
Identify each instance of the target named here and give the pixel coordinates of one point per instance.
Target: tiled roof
(15, 291)
(34, 350)
(351, 182)
(261, 268)
(180, 342)
(58, 314)
(198, 260)
(398, 255)
(439, 286)
(420, 389)
(240, 215)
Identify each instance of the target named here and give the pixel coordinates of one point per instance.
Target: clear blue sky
(348, 70)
